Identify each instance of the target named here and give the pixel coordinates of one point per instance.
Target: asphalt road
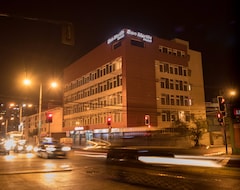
(88, 170)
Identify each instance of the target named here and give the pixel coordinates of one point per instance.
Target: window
(161, 68)
(186, 102)
(167, 83)
(184, 72)
(167, 99)
(171, 84)
(185, 86)
(175, 71)
(177, 85)
(163, 102)
(181, 85)
(183, 53)
(164, 117)
(180, 70)
(160, 48)
(172, 101)
(137, 43)
(175, 52)
(169, 50)
(177, 101)
(166, 68)
(162, 83)
(189, 87)
(181, 100)
(116, 45)
(179, 53)
(165, 50)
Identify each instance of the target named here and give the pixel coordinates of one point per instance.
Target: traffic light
(221, 104)
(147, 119)
(68, 37)
(49, 117)
(109, 121)
(220, 117)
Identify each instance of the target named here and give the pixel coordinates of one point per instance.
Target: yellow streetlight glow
(232, 93)
(26, 82)
(54, 84)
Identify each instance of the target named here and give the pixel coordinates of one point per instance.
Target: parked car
(5, 146)
(22, 146)
(50, 148)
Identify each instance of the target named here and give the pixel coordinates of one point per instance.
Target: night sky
(30, 36)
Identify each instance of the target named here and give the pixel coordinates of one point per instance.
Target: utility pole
(222, 110)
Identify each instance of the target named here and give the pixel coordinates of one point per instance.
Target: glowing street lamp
(232, 93)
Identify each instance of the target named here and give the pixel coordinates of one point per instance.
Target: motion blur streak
(50, 165)
(49, 178)
(178, 161)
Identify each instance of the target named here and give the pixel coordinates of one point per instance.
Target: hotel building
(130, 78)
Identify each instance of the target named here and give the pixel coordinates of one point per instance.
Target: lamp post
(53, 85)
(40, 112)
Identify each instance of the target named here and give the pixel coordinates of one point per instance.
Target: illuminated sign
(122, 33)
(78, 128)
(118, 36)
(236, 111)
(144, 37)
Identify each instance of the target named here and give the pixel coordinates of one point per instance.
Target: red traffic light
(221, 104)
(220, 117)
(109, 120)
(147, 119)
(49, 117)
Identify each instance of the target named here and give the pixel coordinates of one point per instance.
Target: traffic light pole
(49, 132)
(225, 135)
(222, 111)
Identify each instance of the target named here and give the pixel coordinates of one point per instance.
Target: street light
(232, 93)
(40, 112)
(53, 85)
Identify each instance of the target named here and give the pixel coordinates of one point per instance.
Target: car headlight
(20, 148)
(29, 148)
(66, 148)
(8, 144)
(35, 149)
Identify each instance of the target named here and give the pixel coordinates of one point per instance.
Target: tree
(181, 127)
(194, 129)
(197, 130)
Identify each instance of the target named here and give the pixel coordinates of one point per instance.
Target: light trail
(179, 161)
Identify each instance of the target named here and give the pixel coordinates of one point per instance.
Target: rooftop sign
(123, 33)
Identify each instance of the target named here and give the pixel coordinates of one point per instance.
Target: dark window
(137, 43)
(116, 45)
(165, 50)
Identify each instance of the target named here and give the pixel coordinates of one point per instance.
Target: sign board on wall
(236, 111)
